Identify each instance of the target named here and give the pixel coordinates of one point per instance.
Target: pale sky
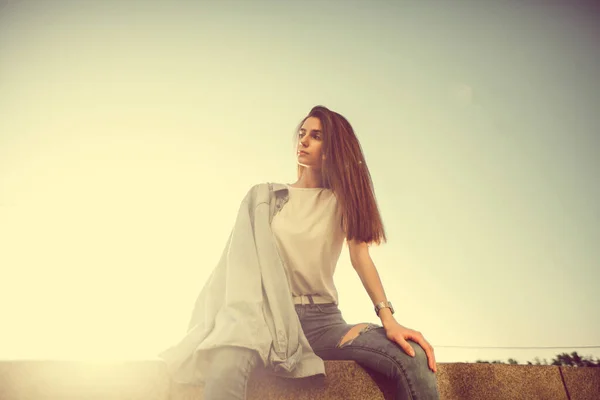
(131, 130)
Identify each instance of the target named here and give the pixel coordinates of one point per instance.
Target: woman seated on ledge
(280, 258)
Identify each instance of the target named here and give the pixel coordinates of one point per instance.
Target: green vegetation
(564, 359)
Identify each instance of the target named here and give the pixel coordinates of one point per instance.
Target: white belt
(306, 299)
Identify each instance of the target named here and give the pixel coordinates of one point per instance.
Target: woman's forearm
(366, 270)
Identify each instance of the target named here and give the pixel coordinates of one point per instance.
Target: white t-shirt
(309, 236)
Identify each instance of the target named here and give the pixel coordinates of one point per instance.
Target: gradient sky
(131, 130)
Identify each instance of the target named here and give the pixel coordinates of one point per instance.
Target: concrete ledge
(149, 380)
(500, 381)
(70, 380)
(345, 380)
(582, 383)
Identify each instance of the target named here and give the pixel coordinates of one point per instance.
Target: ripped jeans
(325, 328)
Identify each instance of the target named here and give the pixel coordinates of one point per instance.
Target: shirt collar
(279, 186)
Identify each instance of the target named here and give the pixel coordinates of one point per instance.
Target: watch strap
(384, 304)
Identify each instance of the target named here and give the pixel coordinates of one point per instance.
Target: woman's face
(310, 140)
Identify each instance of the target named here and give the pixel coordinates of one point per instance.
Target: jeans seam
(386, 355)
(247, 372)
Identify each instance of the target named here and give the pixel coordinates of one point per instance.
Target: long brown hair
(345, 172)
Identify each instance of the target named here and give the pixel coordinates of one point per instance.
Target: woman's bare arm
(366, 270)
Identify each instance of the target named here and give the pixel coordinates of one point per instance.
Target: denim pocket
(328, 308)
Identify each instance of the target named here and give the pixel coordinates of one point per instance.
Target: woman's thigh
(372, 349)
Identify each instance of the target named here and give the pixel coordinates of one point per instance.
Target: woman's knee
(420, 361)
(420, 357)
(422, 376)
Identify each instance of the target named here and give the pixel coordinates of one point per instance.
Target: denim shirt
(246, 301)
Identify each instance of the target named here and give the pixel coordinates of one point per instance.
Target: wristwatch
(383, 304)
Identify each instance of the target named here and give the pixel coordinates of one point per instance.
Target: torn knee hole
(353, 333)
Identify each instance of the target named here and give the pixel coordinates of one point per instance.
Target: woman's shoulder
(268, 186)
(261, 191)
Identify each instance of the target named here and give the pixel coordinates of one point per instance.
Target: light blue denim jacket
(246, 301)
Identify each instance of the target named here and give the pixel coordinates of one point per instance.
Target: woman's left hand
(399, 334)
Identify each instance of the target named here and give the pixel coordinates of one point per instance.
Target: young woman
(333, 200)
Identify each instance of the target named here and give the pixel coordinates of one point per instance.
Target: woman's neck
(308, 180)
